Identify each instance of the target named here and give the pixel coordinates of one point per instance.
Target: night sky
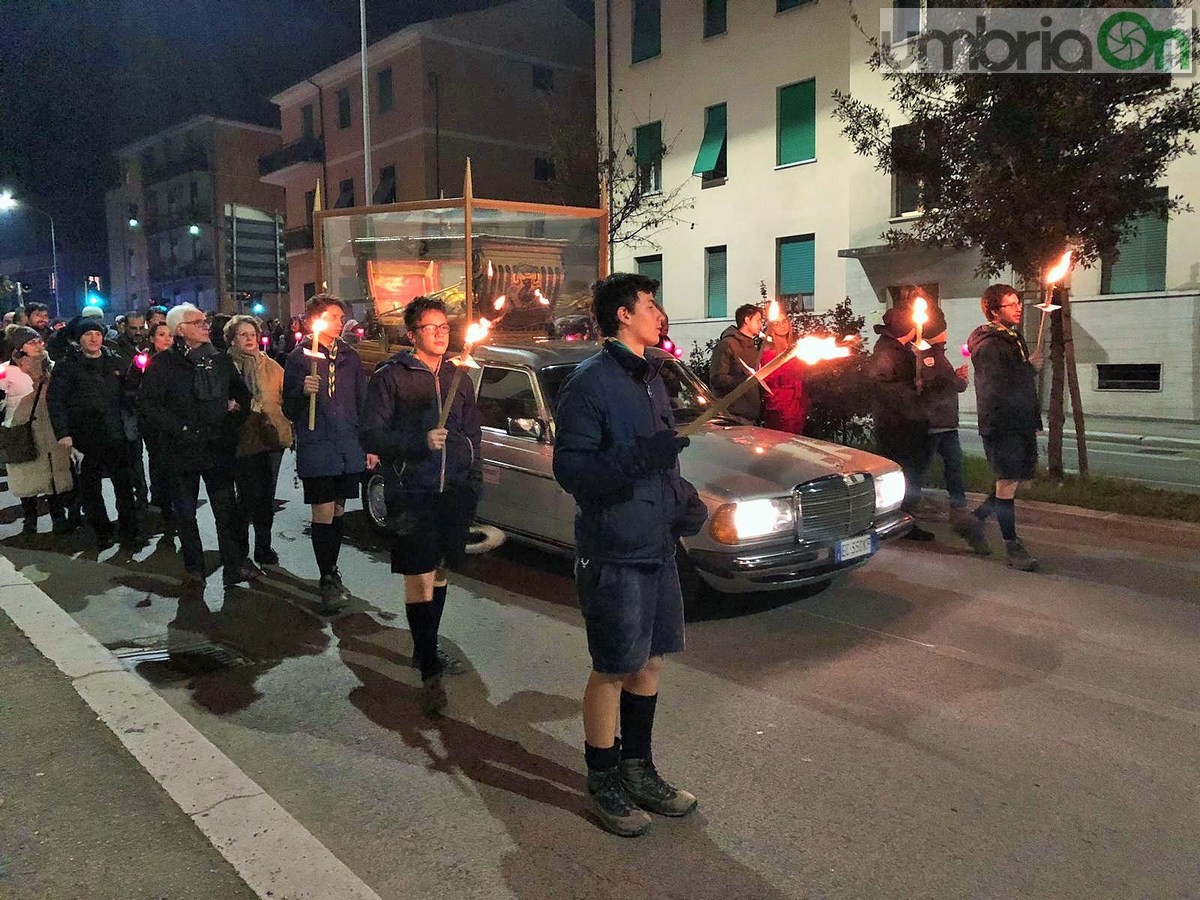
(80, 78)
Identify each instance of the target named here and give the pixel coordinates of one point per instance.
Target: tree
(1021, 167)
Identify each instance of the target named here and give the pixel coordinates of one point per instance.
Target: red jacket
(786, 406)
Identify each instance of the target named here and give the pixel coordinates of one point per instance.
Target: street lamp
(9, 202)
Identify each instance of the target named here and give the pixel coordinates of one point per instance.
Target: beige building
(491, 85)
(169, 219)
(741, 93)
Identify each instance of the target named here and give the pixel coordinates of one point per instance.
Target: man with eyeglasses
(433, 478)
(193, 397)
(1009, 418)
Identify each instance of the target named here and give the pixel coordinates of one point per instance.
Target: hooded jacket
(940, 387)
(726, 371)
(1006, 398)
(332, 447)
(893, 368)
(404, 400)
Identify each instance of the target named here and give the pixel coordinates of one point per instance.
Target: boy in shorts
(433, 476)
(616, 451)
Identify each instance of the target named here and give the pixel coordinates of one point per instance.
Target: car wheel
(375, 504)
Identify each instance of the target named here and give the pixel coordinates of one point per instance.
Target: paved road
(935, 725)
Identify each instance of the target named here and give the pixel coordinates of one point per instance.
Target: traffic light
(92, 294)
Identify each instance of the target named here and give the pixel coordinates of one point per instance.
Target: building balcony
(296, 240)
(194, 160)
(177, 269)
(179, 218)
(290, 160)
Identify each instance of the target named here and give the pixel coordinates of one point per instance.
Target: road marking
(273, 853)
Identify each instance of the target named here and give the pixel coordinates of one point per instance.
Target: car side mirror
(530, 428)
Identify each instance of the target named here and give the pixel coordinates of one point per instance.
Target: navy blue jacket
(404, 400)
(940, 387)
(1006, 400)
(332, 447)
(626, 512)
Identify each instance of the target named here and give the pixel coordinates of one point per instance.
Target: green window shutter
(797, 265)
(647, 29)
(1142, 264)
(797, 135)
(714, 139)
(647, 143)
(652, 267)
(716, 283)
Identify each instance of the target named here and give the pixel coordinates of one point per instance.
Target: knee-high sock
(1006, 515)
(339, 529)
(424, 635)
(984, 509)
(439, 605)
(637, 725)
(325, 544)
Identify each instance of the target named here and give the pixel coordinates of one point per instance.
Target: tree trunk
(1054, 449)
(1073, 382)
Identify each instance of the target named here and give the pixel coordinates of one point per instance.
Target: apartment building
(740, 93)
(492, 85)
(170, 219)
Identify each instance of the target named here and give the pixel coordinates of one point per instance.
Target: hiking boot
(610, 803)
(265, 556)
(331, 597)
(970, 529)
(447, 664)
(917, 533)
(243, 574)
(344, 591)
(648, 790)
(433, 696)
(1018, 557)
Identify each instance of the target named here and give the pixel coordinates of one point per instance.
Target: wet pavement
(934, 725)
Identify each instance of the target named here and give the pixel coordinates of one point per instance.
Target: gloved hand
(659, 450)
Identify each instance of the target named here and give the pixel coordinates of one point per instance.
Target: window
(795, 269)
(310, 290)
(193, 192)
(1129, 377)
(345, 198)
(543, 169)
(343, 102)
(911, 146)
(306, 121)
(648, 153)
(906, 20)
(710, 161)
(385, 192)
(647, 29)
(651, 267)
(543, 78)
(796, 139)
(505, 394)
(383, 90)
(1141, 264)
(714, 17)
(131, 263)
(715, 283)
(310, 201)
(902, 294)
(784, 5)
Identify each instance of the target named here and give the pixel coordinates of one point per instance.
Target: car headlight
(889, 491)
(751, 520)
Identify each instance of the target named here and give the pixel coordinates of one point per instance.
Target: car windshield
(688, 394)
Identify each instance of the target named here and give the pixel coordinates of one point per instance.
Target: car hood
(740, 462)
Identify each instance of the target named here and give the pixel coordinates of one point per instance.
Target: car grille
(835, 507)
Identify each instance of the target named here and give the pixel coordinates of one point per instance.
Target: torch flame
(489, 268)
(477, 332)
(812, 349)
(920, 310)
(498, 303)
(774, 311)
(537, 292)
(318, 325)
(1060, 269)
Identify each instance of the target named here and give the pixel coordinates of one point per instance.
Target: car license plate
(853, 548)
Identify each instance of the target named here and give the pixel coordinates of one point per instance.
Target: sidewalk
(80, 819)
(1174, 434)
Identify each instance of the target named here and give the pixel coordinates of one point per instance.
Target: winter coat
(85, 400)
(726, 371)
(785, 407)
(50, 473)
(940, 387)
(893, 369)
(183, 403)
(266, 428)
(625, 511)
(1006, 398)
(125, 348)
(404, 400)
(332, 447)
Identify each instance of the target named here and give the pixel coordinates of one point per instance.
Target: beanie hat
(896, 322)
(89, 324)
(92, 312)
(22, 335)
(937, 322)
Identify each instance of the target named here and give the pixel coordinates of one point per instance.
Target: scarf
(247, 366)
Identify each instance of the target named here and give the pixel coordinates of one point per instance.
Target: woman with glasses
(329, 458)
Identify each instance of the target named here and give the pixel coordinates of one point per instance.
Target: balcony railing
(305, 150)
(193, 160)
(173, 269)
(179, 218)
(298, 239)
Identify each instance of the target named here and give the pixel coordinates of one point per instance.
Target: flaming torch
(920, 315)
(318, 325)
(476, 333)
(1054, 274)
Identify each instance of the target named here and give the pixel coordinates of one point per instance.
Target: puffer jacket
(1006, 398)
(625, 512)
(85, 400)
(726, 371)
(404, 400)
(183, 401)
(940, 387)
(332, 447)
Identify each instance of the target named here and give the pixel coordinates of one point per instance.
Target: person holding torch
(323, 391)
(423, 422)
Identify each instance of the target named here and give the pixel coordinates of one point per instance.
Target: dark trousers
(257, 475)
(905, 443)
(56, 502)
(161, 480)
(947, 445)
(218, 482)
(111, 462)
(137, 470)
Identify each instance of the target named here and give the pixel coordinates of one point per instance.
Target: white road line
(272, 852)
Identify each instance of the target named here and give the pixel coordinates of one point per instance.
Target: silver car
(783, 510)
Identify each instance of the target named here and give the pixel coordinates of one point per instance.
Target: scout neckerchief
(1015, 336)
(332, 354)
